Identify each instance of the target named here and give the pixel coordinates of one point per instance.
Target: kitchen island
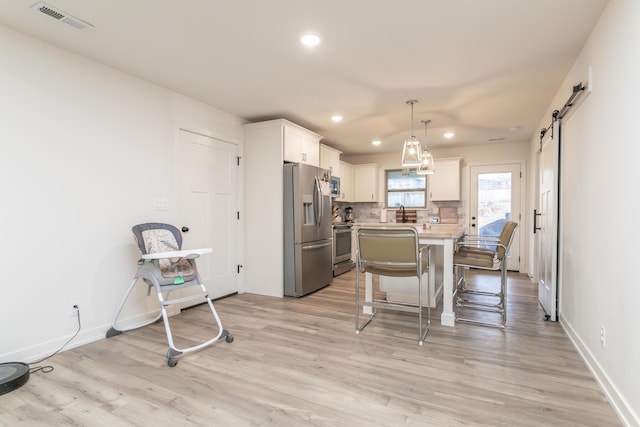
(439, 235)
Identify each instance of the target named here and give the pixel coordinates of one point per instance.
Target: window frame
(387, 191)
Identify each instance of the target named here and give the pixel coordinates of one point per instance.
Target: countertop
(436, 231)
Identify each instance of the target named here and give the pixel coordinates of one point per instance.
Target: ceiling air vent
(61, 16)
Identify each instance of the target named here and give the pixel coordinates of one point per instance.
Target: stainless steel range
(342, 248)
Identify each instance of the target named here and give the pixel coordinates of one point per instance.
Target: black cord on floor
(48, 368)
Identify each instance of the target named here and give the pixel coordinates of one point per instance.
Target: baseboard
(618, 402)
(45, 349)
(85, 336)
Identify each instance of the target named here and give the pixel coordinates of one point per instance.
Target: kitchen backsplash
(375, 212)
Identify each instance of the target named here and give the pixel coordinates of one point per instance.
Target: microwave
(335, 187)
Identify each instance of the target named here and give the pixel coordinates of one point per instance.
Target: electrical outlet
(603, 333)
(73, 309)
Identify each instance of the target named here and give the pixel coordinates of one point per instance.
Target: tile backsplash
(376, 212)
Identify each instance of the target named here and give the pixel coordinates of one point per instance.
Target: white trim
(615, 398)
(523, 243)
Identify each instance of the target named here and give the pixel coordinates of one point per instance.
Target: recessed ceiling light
(310, 40)
(449, 135)
(337, 118)
(376, 142)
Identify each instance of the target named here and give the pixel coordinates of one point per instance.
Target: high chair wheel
(172, 362)
(229, 338)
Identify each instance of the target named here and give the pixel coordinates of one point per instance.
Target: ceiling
(483, 69)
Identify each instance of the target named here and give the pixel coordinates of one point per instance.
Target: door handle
(535, 216)
(185, 229)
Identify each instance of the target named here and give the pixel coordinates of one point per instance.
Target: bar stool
(392, 251)
(485, 253)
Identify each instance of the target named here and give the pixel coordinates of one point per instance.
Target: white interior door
(207, 186)
(494, 197)
(547, 224)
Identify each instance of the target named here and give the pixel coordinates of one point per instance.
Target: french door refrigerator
(308, 235)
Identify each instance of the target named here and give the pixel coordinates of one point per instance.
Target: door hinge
(238, 160)
(239, 267)
(238, 215)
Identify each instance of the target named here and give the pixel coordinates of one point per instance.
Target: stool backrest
(391, 251)
(506, 237)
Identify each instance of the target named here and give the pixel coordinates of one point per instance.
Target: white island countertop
(435, 231)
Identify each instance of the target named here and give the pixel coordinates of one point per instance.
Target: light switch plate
(161, 204)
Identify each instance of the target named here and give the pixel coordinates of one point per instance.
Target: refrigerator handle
(318, 201)
(321, 245)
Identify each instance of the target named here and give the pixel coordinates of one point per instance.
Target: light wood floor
(297, 362)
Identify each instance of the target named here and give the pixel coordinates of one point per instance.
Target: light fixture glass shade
(411, 153)
(426, 166)
(412, 149)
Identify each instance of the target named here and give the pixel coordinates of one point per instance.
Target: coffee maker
(348, 214)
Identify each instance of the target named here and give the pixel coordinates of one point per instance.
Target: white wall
(84, 151)
(600, 176)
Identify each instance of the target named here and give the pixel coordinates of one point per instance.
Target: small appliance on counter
(348, 214)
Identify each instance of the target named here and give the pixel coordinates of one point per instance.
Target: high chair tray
(185, 253)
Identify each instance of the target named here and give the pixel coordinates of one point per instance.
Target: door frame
(522, 265)
(239, 223)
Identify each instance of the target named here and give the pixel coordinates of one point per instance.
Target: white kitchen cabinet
(330, 159)
(444, 184)
(265, 145)
(405, 289)
(300, 145)
(346, 182)
(365, 182)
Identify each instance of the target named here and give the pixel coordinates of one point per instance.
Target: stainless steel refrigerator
(308, 236)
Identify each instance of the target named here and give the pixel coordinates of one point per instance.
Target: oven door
(341, 244)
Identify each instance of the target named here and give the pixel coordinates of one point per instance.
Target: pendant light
(412, 150)
(426, 164)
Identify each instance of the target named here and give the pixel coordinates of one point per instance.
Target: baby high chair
(166, 267)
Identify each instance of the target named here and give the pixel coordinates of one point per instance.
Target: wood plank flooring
(298, 362)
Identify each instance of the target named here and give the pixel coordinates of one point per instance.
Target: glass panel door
(494, 202)
(495, 198)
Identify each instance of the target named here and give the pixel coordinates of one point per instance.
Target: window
(408, 189)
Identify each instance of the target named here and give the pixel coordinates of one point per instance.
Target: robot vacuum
(13, 375)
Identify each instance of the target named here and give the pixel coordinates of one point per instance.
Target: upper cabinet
(444, 184)
(300, 145)
(330, 159)
(346, 182)
(365, 179)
